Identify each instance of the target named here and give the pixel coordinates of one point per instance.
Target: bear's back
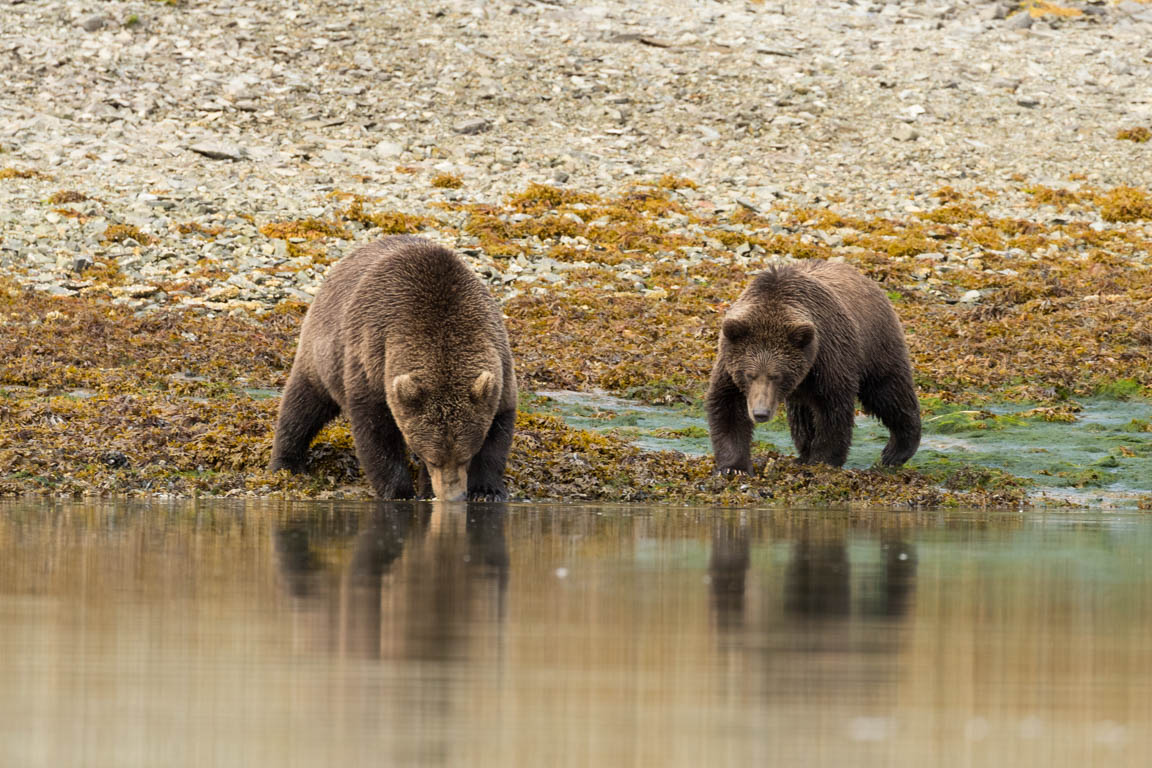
(403, 294)
(416, 283)
(879, 335)
(819, 281)
(401, 279)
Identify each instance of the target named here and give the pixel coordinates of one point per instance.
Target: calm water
(293, 634)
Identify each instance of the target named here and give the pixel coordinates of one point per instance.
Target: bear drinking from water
(407, 342)
(815, 336)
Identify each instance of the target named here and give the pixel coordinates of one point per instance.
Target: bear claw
(488, 495)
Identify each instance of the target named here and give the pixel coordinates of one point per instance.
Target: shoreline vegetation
(102, 393)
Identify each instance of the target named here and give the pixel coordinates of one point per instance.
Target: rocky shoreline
(613, 170)
(192, 126)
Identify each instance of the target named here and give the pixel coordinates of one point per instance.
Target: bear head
(445, 417)
(767, 355)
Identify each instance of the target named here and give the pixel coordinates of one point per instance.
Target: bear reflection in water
(819, 586)
(416, 581)
(379, 605)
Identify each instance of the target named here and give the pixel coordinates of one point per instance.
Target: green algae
(1119, 389)
(963, 448)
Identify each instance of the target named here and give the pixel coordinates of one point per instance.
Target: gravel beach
(197, 123)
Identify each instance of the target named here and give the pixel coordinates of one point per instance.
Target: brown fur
(815, 336)
(405, 340)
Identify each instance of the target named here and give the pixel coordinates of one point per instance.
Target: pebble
(217, 150)
(905, 132)
(388, 149)
(1020, 20)
(93, 23)
(136, 291)
(472, 127)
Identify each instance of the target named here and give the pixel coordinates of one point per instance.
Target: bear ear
(801, 335)
(406, 389)
(483, 387)
(735, 328)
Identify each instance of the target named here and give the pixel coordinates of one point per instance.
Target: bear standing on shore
(815, 336)
(408, 343)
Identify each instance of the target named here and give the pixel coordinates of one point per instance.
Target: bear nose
(761, 414)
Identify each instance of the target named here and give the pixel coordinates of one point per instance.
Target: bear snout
(449, 483)
(763, 399)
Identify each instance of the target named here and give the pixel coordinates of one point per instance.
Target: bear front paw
(293, 466)
(394, 492)
(488, 495)
(732, 472)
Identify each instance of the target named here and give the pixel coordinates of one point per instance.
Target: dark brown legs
(380, 447)
(304, 410)
(894, 402)
(822, 436)
(486, 472)
(729, 425)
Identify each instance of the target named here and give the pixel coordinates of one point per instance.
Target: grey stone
(1020, 20)
(138, 290)
(93, 23)
(905, 132)
(995, 12)
(218, 150)
(388, 149)
(472, 127)
(241, 282)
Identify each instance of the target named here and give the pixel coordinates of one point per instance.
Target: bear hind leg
(831, 433)
(802, 425)
(304, 410)
(486, 471)
(894, 402)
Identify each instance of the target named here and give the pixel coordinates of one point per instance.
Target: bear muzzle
(449, 483)
(763, 400)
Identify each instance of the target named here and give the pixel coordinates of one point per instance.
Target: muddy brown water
(311, 634)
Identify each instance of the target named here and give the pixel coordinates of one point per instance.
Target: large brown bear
(405, 340)
(815, 336)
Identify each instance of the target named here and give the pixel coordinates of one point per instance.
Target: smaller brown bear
(405, 340)
(815, 336)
